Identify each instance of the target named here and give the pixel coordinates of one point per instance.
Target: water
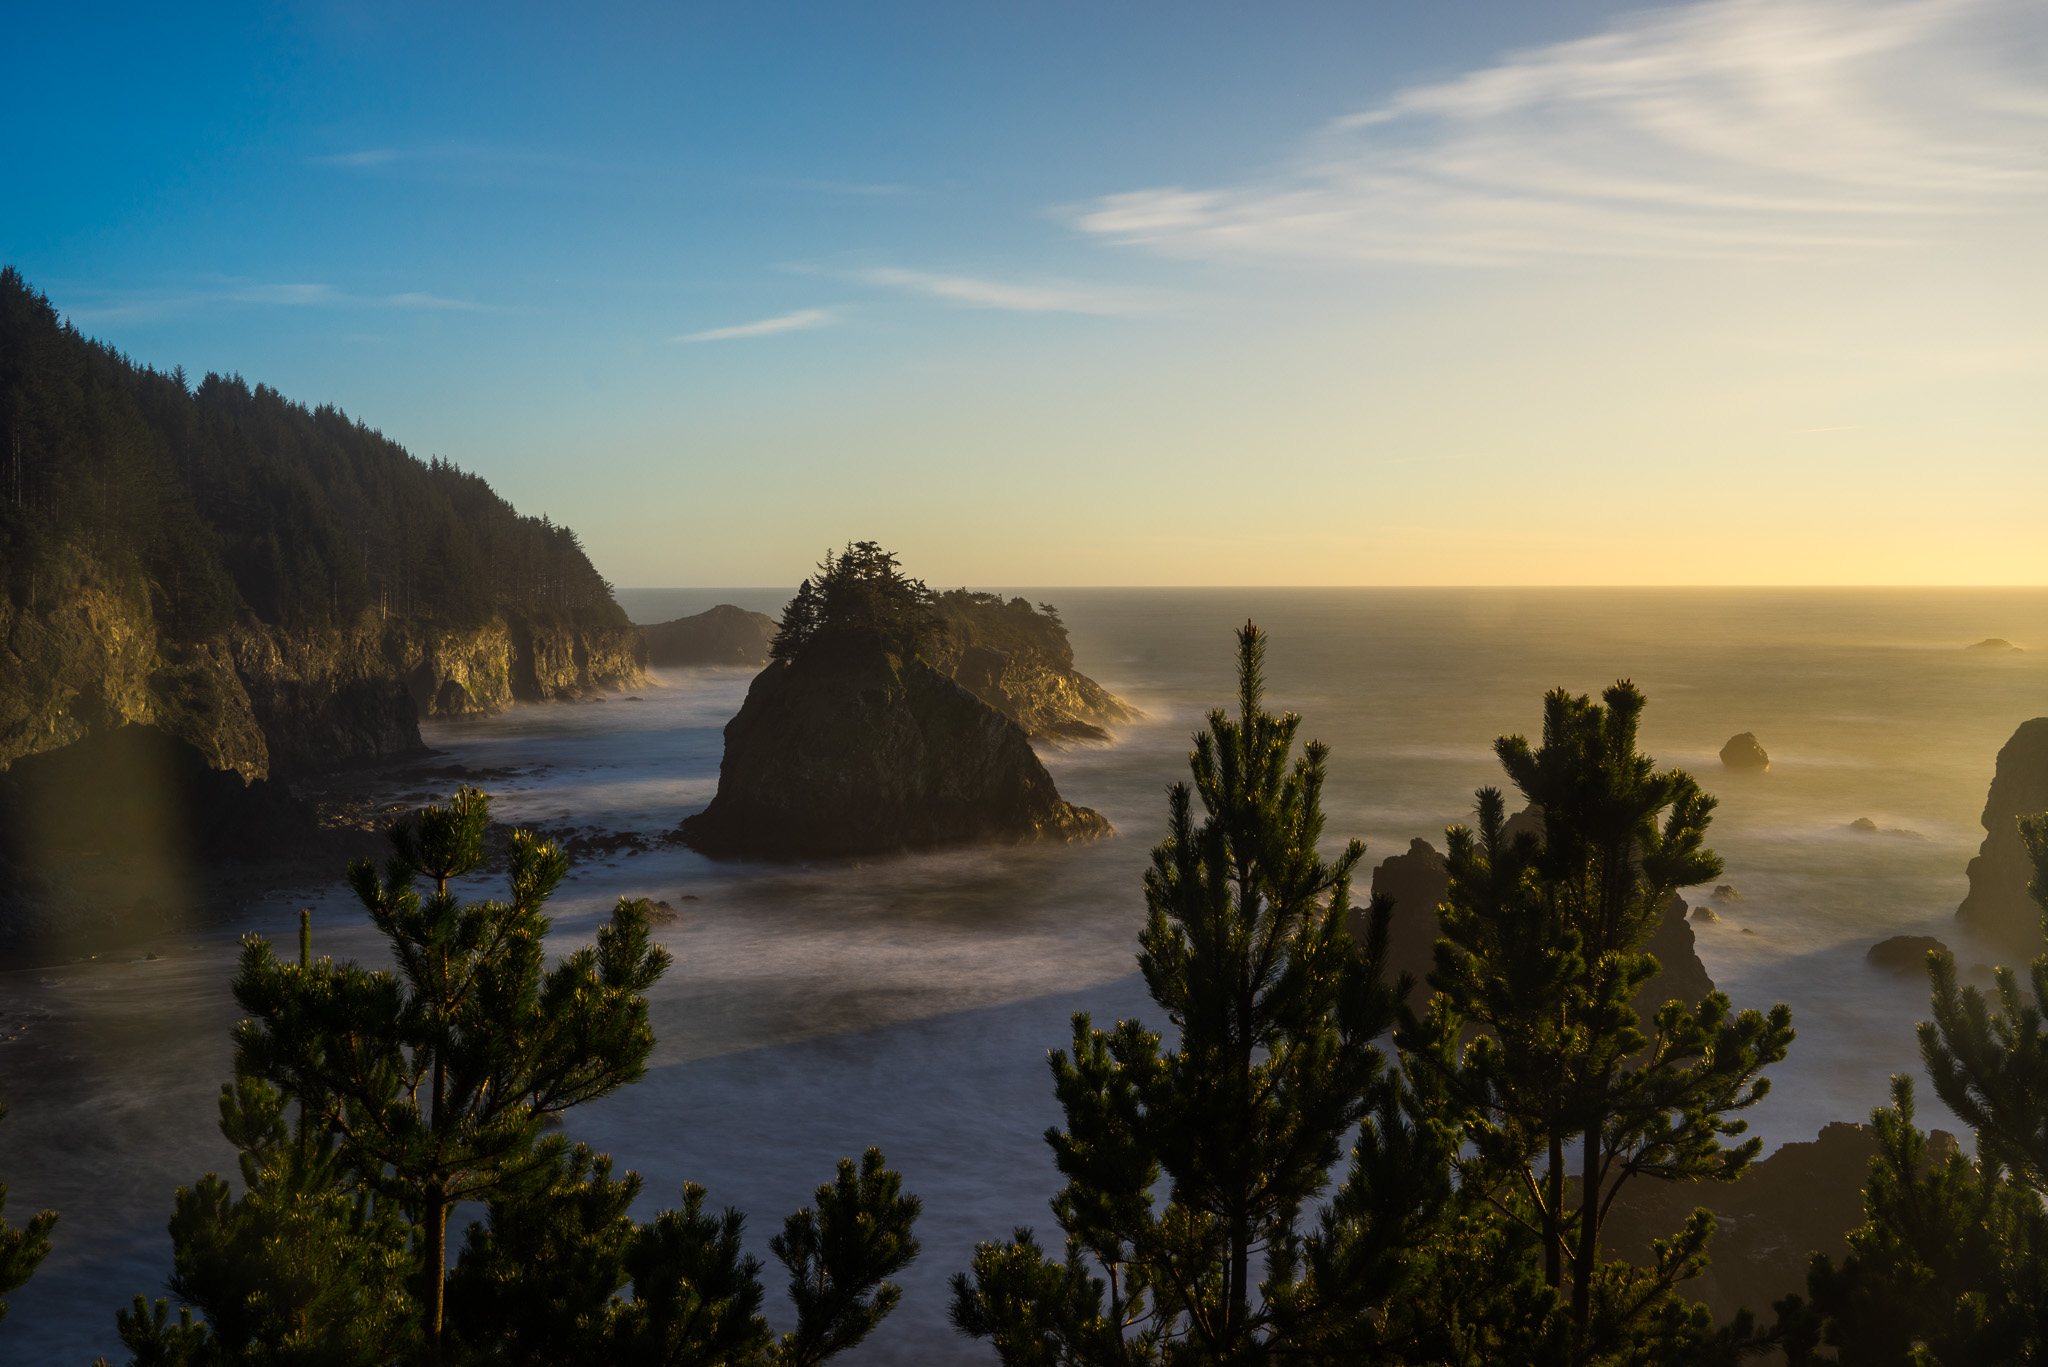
(908, 1002)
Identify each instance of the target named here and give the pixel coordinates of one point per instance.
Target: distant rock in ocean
(1998, 906)
(1995, 645)
(1705, 914)
(1863, 825)
(1745, 752)
(724, 635)
(1904, 953)
(1726, 892)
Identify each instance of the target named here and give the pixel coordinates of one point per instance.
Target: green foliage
(839, 1257)
(536, 1280)
(1245, 949)
(21, 1250)
(440, 1076)
(157, 1340)
(307, 1266)
(858, 598)
(1531, 1044)
(1951, 1265)
(1012, 626)
(205, 504)
(1947, 1268)
(696, 1295)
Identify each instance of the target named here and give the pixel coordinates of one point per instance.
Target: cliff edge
(1997, 906)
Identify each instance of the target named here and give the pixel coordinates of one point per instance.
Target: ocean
(908, 1002)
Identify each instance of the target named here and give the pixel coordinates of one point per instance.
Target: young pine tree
(440, 1076)
(539, 1283)
(1532, 1049)
(1245, 950)
(21, 1249)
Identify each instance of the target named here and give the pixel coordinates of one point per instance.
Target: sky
(1473, 292)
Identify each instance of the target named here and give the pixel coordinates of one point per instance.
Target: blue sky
(1739, 291)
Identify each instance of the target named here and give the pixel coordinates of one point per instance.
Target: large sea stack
(850, 742)
(1998, 906)
(724, 635)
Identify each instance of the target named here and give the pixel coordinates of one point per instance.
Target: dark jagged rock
(1418, 878)
(724, 635)
(856, 750)
(1904, 953)
(1803, 1199)
(1727, 892)
(1745, 752)
(1998, 906)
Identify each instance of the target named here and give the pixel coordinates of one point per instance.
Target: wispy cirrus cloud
(799, 321)
(1729, 128)
(977, 292)
(115, 305)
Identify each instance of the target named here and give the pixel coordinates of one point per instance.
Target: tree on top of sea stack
(853, 742)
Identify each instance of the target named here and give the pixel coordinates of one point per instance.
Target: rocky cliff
(723, 635)
(1801, 1200)
(1998, 906)
(857, 750)
(260, 698)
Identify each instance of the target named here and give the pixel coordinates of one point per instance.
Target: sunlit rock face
(1998, 906)
(857, 750)
(1745, 752)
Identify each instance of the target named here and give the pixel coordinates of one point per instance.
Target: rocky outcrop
(724, 635)
(1998, 906)
(1995, 645)
(861, 751)
(1050, 701)
(1801, 1200)
(1745, 752)
(1418, 879)
(1905, 954)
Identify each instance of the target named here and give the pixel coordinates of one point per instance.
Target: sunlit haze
(1735, 292)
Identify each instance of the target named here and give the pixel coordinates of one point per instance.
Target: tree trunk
(437, 1215)
(1553, 1216)
(1589, 1233)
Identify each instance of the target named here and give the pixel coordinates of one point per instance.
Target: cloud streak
(996, 294)
(1723, 129)
(799, 321)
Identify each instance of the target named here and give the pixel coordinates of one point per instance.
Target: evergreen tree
(21, 1249)
(439, 1077)
(1531, 1045)
(859, 597)
(1949, 1266)
(1245, 950)
(538, 1283)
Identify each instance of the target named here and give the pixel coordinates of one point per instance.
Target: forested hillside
(241, 532)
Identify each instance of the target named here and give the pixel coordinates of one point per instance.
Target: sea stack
(851, 743)
(1998, 906)
(724, 635)
(1745, 752)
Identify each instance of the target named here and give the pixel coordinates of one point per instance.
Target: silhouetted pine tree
(1245, 1116)
(440, 1077)
(21, 1250)
(1531, 1047)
